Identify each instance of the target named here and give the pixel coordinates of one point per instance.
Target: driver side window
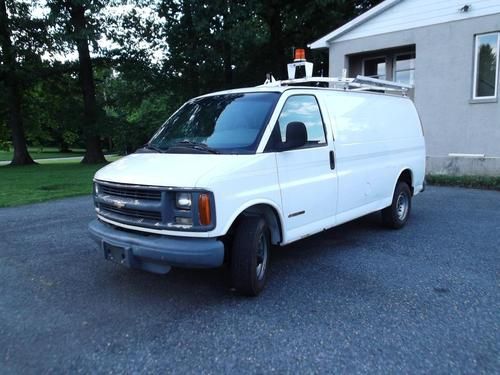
(304, 109)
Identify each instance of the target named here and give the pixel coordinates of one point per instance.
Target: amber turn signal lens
(204, 209)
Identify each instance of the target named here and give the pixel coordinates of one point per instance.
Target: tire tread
(242, 265)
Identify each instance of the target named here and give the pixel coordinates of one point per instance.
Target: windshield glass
(231, 123)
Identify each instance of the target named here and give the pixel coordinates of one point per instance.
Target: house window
(486, 66)
(404, 68)
(375, 68)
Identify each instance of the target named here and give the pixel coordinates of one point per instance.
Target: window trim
(479, 99)
(386, 62)
(267, 148)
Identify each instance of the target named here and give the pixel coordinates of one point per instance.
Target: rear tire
(396, 215)
(250, 255)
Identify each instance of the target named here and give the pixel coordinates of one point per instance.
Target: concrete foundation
(463, 166)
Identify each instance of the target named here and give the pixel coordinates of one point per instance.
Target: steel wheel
(396, 215)
(262, 255)
(402, 205)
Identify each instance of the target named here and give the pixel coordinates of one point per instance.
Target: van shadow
(209, 286)
(341, 238)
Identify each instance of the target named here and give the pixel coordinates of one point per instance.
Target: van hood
(172, 170)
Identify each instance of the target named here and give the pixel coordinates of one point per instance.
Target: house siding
(443, 90)
(409, 14)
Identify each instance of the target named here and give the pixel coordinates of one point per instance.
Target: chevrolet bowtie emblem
(118, 204)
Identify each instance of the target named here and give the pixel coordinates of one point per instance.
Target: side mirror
(296, 135)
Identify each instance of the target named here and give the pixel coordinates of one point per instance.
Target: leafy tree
(221, 44)
(159, 53)
(136, 100)
(21, 35)
(76, 22)
(54, 109)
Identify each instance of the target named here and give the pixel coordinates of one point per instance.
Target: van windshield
(231, 123)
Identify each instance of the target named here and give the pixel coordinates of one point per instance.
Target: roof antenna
(269, 79)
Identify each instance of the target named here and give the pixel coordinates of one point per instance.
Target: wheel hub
(262, 255)
(402, 206)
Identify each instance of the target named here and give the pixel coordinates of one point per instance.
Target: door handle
(332, 159)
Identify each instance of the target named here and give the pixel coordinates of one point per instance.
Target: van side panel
(376, 137)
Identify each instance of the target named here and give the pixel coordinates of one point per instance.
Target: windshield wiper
(196, 146)
(154, 148)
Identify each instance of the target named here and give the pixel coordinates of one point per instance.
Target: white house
(449, 51)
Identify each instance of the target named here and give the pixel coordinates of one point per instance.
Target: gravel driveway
(358, 298)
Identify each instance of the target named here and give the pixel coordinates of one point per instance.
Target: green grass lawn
(38, 183)
(45, 153)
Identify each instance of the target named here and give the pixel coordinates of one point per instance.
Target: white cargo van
(232, 173)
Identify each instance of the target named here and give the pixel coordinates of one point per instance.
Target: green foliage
(4, 130)
(29, 36)
(135, 105)
(159, 54)
(22, 37)
(64, 34)
(5, 146)
(222, 44)
(53, 110)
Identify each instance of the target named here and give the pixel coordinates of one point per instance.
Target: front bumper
(156, 253)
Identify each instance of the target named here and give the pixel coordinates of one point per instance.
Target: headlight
(183, 201)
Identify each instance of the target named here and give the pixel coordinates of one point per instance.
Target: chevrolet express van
(232, 173)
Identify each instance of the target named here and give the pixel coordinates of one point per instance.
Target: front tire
(250, 255)
(396, 215)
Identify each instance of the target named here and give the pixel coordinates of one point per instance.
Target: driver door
(307, 175)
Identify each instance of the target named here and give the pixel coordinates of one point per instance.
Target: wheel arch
(268, 210)
(406, 175)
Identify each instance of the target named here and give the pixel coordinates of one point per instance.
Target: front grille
(130, 192)
(138, 214)
(148, 206)
(130, 204)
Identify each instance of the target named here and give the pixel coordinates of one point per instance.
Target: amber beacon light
(299, 55)
(204, 209)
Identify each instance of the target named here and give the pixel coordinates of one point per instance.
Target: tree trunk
(93, 152)
(14, 95)
(276, 45)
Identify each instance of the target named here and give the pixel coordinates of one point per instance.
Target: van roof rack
(360, 83)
